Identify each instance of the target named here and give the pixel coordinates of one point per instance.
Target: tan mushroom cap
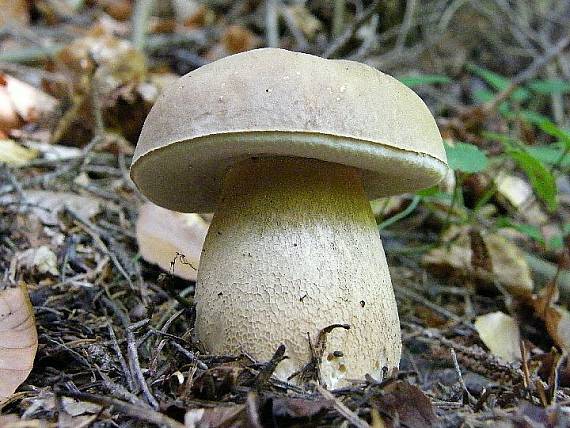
(273, 102)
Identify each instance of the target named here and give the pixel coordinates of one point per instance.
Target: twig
(122, 361)
(137, 412)
(468, 395)
(267, 371)
(133, 353)
(525, 75)
(339, 406)
(338, 17)
(271, 23)
(341, 41)
(406, 24)
(425, 302)
(141, 14)
(190, 355)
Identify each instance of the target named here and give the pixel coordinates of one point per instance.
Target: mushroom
(287, 148)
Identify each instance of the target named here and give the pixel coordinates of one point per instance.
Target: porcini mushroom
(287, 148)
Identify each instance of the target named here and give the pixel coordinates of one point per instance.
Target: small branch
(267, 371)
(133, 353)
(341, 41)
(468, 395)
(272, 23)
(141, 14)
(137, 412)
(339, 406)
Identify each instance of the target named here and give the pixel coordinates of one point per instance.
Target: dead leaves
(402, 404)
(163, 234)
(501, 334)
(18, 339)
(21, 103)
(456, 256)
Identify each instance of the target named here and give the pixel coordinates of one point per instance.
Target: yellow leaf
(162, 233)
(18, 339)
(12, 153)
(501, 334)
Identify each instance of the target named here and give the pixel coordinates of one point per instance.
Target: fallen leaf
(48, 205)
(501, 334)
(18, 339)
(222, 416)
(162, 234)
(12, 153)
(406, 404)
(78, 408)
(29, 103)
(239, 39)
(41, 259)
(455, 255)
(514, 189)
(289, 407)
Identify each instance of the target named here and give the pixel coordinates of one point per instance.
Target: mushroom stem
(292, 249)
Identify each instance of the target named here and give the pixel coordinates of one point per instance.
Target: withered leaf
(501, 334)
(217, 417)
(18, 339)
(288, 407)
(405, 403)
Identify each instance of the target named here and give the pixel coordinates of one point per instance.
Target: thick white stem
(292, 249)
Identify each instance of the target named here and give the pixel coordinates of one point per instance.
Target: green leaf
(498, 82)
(541, 179)
(465, 157)
(550, 155)
(532, 117)
(555, 243)
(424, 79)
(532, 232)
(554, 130)
(550, 86)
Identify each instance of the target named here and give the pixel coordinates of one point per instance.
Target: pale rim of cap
(187, 176)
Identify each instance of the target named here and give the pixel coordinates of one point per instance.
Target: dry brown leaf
(501, 334)
(28, 103)
(224, 416)
(18, 339)
(14, 154)
(239, 39)
(402, 404)
(162, 233)
(508, 263)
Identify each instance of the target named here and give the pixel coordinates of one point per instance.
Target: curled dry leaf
(501, 334)
(18, 339)
(509, 266)
(22, 102)
(162, 233)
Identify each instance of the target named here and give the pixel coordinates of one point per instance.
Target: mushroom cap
(273, 102)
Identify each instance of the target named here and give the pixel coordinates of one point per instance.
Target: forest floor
(480, 268)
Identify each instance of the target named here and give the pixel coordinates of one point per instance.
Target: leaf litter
(113, 327)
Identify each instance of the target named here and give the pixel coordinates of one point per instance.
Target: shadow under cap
(272, 102)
